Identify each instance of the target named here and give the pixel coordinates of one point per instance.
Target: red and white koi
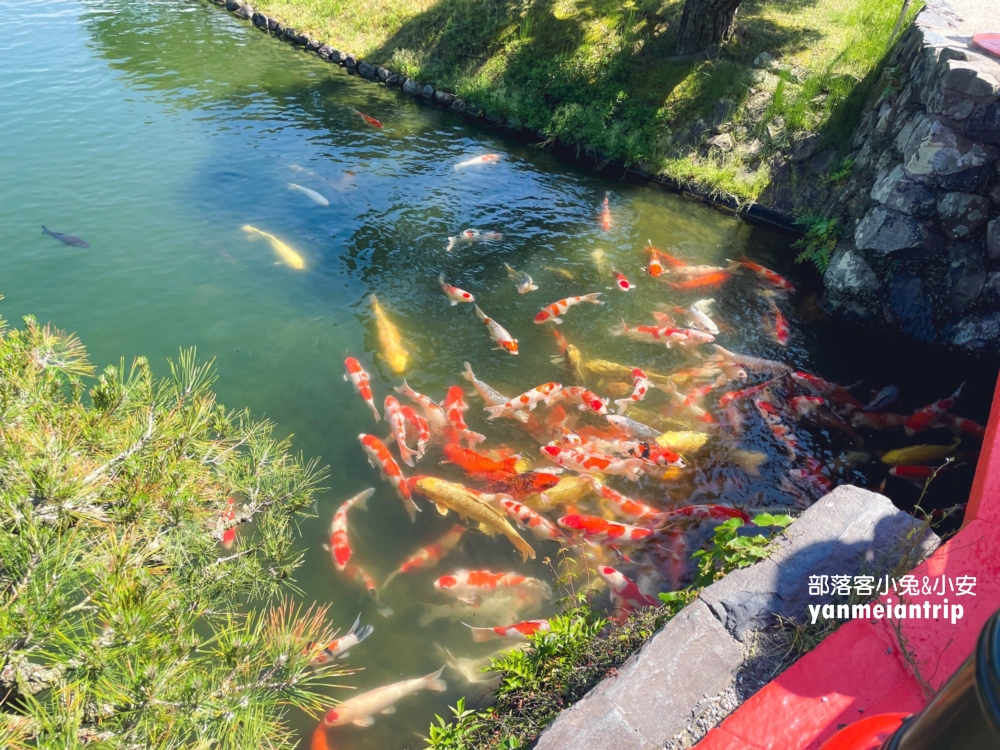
(626, 507)
(430, 555)
(689, 404)
(640, 387)
(551, 313)
(704, 513)
(647, 451)
(622, 282)
(632, 428)
(669, 335)
(471, 235)
(593, 463)
(803, 406)
(529, 519)
(359, 575)
(397, 423)
(469, 585)
(625, 594)
(339, 546)
(362, 383)
(340, 647)
(516, 631)
(457, 430)
(765, 273)
(752, 364)
(963, 425)
(490, 395)
(421, 425)
(924, 418)
(379, 456)
(812, 477)
(527, 400)
(498, 333)
(453, 293)
(781, 431)
(580, 396)
(477, 160)
(436, 416)
(836, 394)
(602, 531)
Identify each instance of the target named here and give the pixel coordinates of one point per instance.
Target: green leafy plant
(846, 167)
(730, 550)
(819, 241)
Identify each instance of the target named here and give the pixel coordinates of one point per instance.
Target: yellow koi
(683, 441)
(615, 371)
(916, 455)
(571, 489)
(283, 251)
(388, 335)
(454, 496)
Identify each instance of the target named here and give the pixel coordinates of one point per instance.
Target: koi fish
(527, 400)
(470, 585)
(632, 428)
(526, 518)
(379, 456)
(562, 272)
(360, 576)
(601, 264)
(397, 423)
(884, 398)
(712, 279)
(430, 555)
(479, 466)
(66, 239)
(662, 255)
(626, 507)
(509, 632)
(519, 486)
(781, 432)
(929, 415)
(460, 499)
(473, 671)
(625, 594)
(655, 268)
(283, 251)
(310, 194)
(606, 213)
(361, 382)
(622, 282)
(753, 364)
(878, 420)
(393, 352)
(780, 329)
(695, 272)
(583, 398)
(436, 416)
(502, 606)
(228, 515)
(640, 386)
(340, 647)
(963, 425)
(688, 405)
(453, 293)
(475, 160)
(422, 427)
(699, 314)
(704, 513)
(600, 530)
(765, 273)
(359, 709)
(591, 463)
(569, 490)
(523, 281)
(683, 337)
(340, 547)
(916, 474)
(455, 407)
(471, 235)
(498, 333)
(491, 396)
(918, 454)
(369, 119)
(835, 394)
(812, 477)
(553, 311)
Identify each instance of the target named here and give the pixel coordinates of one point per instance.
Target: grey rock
(764, 81)
(232, 4)
(651, 697)
(394, 80)
(724, 142)
(993, 239)
(336, 56)
(722, 110)
(848, 531)
(910, 307)
(443, 97)
(366, 70)
(458, 105)
(493, 118)
(411, 87)
(850, 274)
(273, 26)
(383, 73)
(961, 214)
(966, 276)
(824, 161)
(937, 153)
(325, 51)
(289, 34)
(313, 45)
(984, 123)
(994, 193)
(894, 190)
(245, 12)
(259, 20)
(804, 148)
(763, 60)
(350, 62)
(301, 39)
(975, 78)
(979, 333)
(427, 92)
(885, 231)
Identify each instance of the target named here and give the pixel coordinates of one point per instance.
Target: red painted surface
(867, 734)
(858, 671)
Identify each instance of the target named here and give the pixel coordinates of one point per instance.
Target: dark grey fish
(886, 397)
(66, 239)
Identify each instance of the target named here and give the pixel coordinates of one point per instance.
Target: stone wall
(924, 252)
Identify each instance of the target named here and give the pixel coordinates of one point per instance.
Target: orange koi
(600, 530)
(359, 575)
(369, 119)
(470, 584)
(339, 546)
(229, 514)
(521, 486)
(362, 383)
(766, 273)
(606, 213)
(379, 457)
(478, 466)
(430, 555)
(455, 407)
(713, 279)
(553, 311)
(422, 427)
(516, 631)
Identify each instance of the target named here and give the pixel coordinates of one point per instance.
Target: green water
(156, 130)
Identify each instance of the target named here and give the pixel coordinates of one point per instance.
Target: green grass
(601, 72)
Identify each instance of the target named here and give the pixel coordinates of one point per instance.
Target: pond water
(157, 130)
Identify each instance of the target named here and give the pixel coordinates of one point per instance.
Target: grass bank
(603, 73)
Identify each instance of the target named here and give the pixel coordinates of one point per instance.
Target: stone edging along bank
(415, 89)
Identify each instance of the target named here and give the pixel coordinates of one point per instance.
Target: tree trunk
(706, 23)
